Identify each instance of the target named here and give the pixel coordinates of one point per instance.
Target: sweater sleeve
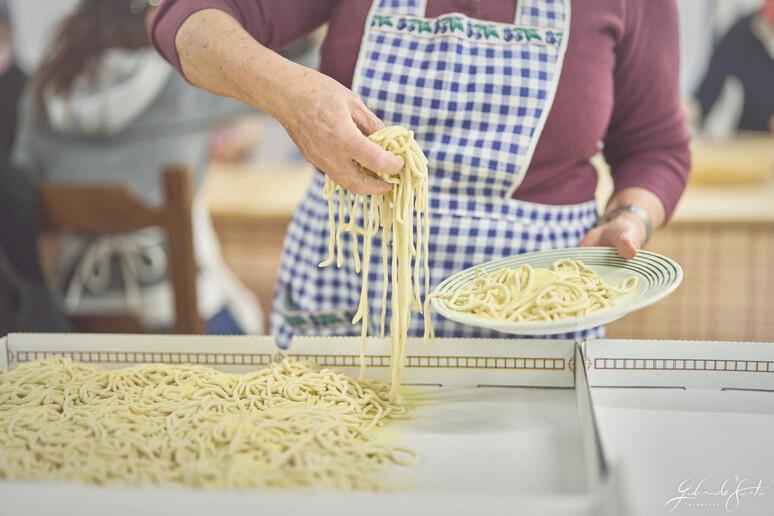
(647, 140)
(275, 24)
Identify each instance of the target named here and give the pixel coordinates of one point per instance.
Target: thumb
(370, 154)
(374, 158)
(626, 245)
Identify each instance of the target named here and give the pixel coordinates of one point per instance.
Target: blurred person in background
(104, 106)
(741, 72)
(12, 80)
(26, 304)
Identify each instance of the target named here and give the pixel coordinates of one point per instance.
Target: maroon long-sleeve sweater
(619, 83)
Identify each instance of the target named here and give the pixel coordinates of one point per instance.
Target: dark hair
(82, 37)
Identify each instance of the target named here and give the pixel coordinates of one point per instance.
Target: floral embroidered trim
(458, 25)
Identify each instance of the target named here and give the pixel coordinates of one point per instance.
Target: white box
(688, 423)
(504, 426)
(511, 426)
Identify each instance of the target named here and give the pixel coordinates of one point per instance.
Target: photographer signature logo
(729, 494)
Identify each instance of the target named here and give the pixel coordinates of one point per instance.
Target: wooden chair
(97, 209)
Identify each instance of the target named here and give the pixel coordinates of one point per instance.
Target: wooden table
(251, 207)
(722, 234)
(745, 159)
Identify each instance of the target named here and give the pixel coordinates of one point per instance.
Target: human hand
(631, 214)
(329, 124)
(626, 232)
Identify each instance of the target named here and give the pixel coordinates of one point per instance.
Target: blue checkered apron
(476, 94)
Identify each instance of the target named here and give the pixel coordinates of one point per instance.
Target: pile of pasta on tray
(293, 425)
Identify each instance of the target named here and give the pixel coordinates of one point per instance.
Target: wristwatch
(631, 208)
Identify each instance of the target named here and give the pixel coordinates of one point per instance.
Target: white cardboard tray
(511, 427)
(687, 423)
(501, 424)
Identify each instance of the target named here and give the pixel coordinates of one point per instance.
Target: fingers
(376, 159)
(330, 126)
(356, 149)
(618, 234)
(591, 238)
(369, 154)
(364, 118)
(343, 167)
(351, 177)
(626, 236)
(626, 248)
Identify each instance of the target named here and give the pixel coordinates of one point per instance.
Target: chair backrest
(104, 208)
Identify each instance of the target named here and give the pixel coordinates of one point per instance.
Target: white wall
(695, 42)
(33, 22)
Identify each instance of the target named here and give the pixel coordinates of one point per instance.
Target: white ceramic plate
(658, 277)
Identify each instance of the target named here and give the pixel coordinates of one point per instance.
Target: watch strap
(630, 208)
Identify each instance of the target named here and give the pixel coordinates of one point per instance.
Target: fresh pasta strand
(568, 289)
(401, 214)
(293, 425)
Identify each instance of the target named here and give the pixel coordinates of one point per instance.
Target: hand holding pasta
(327, 122)
(402, 215)
(568, 289)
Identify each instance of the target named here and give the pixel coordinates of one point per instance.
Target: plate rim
(675, 278)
